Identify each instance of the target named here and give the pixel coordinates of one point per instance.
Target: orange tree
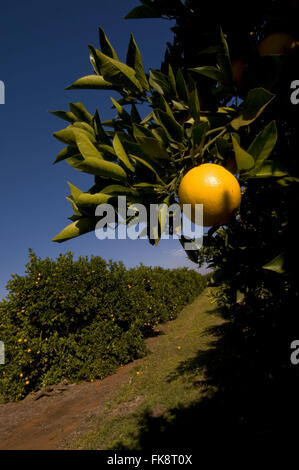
(222, 96)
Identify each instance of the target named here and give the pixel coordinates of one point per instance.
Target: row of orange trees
(81, 319)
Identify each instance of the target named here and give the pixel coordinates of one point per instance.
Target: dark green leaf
(255, 103)
(98, 167)
(134, 60)
(86, 128)
(67, 152)
(244, 160)
(121, 153)
(87, 149)
(263, 144)
(211, 72)
(141, 131)
(99, 131)
(67, 136)
(83, 225)
(194, 105)
(223, 59)
(181, 86)
(92, 82)
(106, 47)
(142, 11)
(65, 115)
(94, 199)
(135, 116)
(268, 169)
(80, 112)
(123, 114)
(153, 148)
(76, 192)
(149, 166)
(198, 133)
(116, 72)
(171, 79)
(159, 81)
(116, 189)
(276, 264)
(172, 128)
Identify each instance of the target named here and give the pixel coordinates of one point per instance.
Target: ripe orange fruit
(276, 44)
(214, 187)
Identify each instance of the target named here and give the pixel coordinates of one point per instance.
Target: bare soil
(47, 419)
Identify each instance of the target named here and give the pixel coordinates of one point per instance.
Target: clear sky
(43, 49)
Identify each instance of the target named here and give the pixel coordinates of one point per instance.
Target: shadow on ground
(248, 400)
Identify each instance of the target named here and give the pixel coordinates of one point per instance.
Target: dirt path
(51, 420)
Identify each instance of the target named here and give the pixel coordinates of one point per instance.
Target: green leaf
(182, 87)
(153, 148)
(172, 128)
(198, 133)
(268, 169)
(194, 105)
(192, 254)
(134, 60)
(243, 159)
(80, 112)
(65, 115)
(123, 114)
(81, 226)
(142, 11)
(121, 153)
(94, 199)
(106, 47)
(109, 123)
(165, 107)
(98, 167)
(87, 149)
(263, 144)
(149, 166)
(140, 132)
(92, 82)
(255, 103)
(146, 186)
(135, 116)
(67, 135)
(135, 148)
(161, 136)
(171, 79)
(116, 72)
(76, 192)
(99, 131)
(107, 151)
(211, 72)
(116, 189)
(147, 118)
(223, 59)
(277, 264)
(86, 128)
(94, 62)
(65, 153)
(159, 81)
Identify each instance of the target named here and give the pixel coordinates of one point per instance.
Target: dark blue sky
(43, 49)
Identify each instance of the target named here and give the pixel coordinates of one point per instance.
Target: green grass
(158, 387)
